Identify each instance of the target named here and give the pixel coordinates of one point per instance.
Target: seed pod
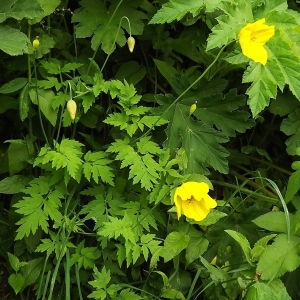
(193, 107)
(71, 107)
(131, 43)
(36, 43)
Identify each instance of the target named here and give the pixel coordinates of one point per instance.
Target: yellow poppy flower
(253, 37)
(192, 200)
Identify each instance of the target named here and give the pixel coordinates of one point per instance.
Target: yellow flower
(253, 37)
(192, 200)
(72, 107)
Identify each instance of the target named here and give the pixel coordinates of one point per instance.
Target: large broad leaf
(201, 143)
(235, 14)
(43, 99)
(272, 221)
(280, 257)
(13, 41)
(20, 9)
(94, 19)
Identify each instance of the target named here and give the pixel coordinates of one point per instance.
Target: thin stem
(193, 284)
(38, 101)
(78, 281)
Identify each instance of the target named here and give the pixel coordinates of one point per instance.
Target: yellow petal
(195, 210)
(253, 37)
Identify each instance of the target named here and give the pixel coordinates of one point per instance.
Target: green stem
(78, 281)
(193, 284)
(38, 102)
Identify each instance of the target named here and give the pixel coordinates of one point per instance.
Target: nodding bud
(72, 107)
(36, 43)
(131, 43)
(193, 107)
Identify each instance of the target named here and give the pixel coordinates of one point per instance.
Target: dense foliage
(107, 107)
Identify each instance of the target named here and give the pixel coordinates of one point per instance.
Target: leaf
(196, 247)
(17, 282)
(143, 168)
(20, 9)
(263, 87)
(293, 186)
(67, 155)
(13, 85)
(174, 243)
(24, 103)
(260, 246)
(13, 184)
(280, 257)
(272, 221)
(43, 99)
(243, 242)
(13, 41)
(96, 166)
(291, 127)
(235, 14)
(176, 10)
(261, 290)
(100, 283)
(201, 143)
(94, 19)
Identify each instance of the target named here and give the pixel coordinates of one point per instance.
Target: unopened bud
(36, 43)
(72, 107)
(131, 43)
(193, 107)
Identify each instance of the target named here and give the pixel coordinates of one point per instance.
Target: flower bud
(36, 43)
(193, 107)
(131, 43)
(71, 107)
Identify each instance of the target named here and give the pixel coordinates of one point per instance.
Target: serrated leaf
(143, 168)
(96, 166)
(280, 257)
(260, 246)
(174, 243)
(235, 14)
(13, 41)
(176, 10)
(243, 242)
(202, 144)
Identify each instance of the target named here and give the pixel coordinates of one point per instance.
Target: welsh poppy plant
(253, 37)
(192, 200)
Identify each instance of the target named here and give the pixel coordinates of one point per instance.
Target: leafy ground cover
(150, 149)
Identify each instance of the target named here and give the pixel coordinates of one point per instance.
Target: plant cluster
(149, 149)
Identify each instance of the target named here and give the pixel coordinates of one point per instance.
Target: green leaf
(13, 41)
(291, 127)
(67, 155)
(143, 168)
(201, 143)
(293, 186)
(100, 283)
(272, 221)
(43, 99)
(217, 275)
(94, 19)
(243, 242)
(196, 247)
(17, 282)
(20, 9)
(260, 246)
(15, 262)
(280, 257)
(263, 87)
(176, 10)
(261, 290)
(235, 15)
(96, 166)
(13, 85)
(174, 243)
(24, 103)
(13, 184)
